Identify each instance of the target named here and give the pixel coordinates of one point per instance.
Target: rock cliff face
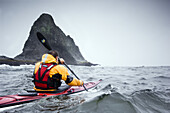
(33, 49)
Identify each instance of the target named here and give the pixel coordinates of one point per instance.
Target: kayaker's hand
(61, 60)
(81, 82)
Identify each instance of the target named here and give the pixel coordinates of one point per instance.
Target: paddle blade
(43, 40)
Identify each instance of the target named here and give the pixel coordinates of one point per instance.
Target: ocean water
(123, 90)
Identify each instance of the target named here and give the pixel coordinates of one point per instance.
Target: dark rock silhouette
(33, 49)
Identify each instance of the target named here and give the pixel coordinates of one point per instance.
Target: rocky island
(33, 49)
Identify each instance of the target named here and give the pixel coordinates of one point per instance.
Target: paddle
(44, 41)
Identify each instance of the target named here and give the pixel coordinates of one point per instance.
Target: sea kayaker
(48, 73)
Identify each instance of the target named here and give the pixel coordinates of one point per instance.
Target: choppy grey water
(123, 90)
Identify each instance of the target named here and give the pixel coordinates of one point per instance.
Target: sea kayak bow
(10, 100)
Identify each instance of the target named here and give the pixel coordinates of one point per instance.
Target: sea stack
(33, 49)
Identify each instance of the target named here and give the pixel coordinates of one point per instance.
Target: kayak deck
(15, 99)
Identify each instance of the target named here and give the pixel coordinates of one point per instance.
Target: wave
(151, 102)
(17, 68)
(143, 101)
(105, 103)
(162, 77)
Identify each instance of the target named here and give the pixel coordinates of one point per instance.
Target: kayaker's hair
(53, 53)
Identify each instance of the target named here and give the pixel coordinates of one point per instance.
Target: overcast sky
(108, 32)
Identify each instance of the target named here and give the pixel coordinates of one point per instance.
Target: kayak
(32, 95)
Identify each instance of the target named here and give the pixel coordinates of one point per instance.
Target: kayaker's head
(54, 54)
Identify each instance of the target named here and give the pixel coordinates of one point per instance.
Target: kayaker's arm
(73, 81)
(66, 77)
